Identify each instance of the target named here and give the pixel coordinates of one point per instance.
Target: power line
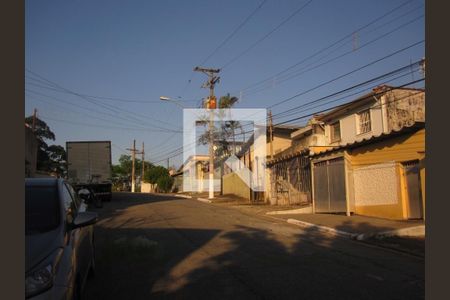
(125, 100)
(101, 126)
(325, 110)
(98, 103)
(380, 77)
(85, 108)
(265, 36)
(233, 33)
(302, 71)
(332, 44)
(348, 73)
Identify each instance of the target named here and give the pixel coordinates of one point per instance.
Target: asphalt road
(150, 246)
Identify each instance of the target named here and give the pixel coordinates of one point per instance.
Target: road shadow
(257, 265)
(129, 262)
(246, 262)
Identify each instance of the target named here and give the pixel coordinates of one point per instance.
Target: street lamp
(164, 98)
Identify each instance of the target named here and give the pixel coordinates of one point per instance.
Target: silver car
(59, 240)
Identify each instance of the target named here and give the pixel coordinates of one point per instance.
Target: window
(41, 209)
(335, 132)
(363, 119)
(69, 204)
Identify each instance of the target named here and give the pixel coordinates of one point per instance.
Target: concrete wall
(148, 187)
(382, 198)
(349, 126)
(233, 184)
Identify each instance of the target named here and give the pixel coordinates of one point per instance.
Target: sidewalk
(406, 236)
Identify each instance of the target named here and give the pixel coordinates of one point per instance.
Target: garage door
(329, 186)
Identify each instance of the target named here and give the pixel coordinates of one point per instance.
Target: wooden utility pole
(143, 163)
(134, 151)
(271, 134)
(210, 104)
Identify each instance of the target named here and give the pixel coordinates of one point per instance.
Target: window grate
(364, 122)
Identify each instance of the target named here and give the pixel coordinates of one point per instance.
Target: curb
(203, 200)
(303, 210)
(323, 228)
(183, 196)
(410, 231)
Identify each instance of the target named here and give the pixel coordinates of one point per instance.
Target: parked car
(59, 240)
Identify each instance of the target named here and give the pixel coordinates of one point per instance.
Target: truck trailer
(89, 166)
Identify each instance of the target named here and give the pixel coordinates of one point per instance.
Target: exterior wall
(147, 187)
(386, 197)
(233, 184)
(370, 198)
(279, 144)
(349, 125)
(404, 107)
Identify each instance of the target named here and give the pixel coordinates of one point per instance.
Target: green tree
(126, 164)
(226, 131)
(49, 158)
(165, 183)
(154, 173)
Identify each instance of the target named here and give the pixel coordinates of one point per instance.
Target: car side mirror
(84, 219)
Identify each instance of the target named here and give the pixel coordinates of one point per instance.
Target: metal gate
(329, 186)
(291, 181)
(415, 209)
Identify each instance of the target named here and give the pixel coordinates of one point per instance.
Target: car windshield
(41, 209)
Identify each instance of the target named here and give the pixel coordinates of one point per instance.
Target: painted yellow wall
(402, 148)
(233, 184)
(399, 149)
(279, 144)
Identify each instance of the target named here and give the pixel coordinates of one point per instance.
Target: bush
(165, 183)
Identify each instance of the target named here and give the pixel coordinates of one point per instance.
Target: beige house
(232, 184)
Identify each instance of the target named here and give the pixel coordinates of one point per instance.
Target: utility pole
(143, 164)
(271, 134)
(210, 104)
(134, 151)
(168, 164)
(34, 120)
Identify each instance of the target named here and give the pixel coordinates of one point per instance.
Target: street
(154, 246)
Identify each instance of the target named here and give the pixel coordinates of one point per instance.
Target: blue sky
(140, 50)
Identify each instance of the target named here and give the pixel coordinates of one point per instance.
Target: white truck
(89, 166)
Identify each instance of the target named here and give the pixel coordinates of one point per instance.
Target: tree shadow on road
(309, 265)
(279, 261)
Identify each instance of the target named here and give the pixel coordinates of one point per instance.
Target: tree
(227, 129)
(165, 183)
(126, 164)
(49, 158)
(154, 173)
(160, 176)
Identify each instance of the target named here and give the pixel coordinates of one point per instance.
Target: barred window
(335, 132)
(364, 124)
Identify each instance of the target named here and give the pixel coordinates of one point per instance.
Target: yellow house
(382, 176)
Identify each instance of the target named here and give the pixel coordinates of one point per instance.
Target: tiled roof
(383, 136)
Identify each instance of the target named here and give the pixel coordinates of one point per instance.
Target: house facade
(345, 181)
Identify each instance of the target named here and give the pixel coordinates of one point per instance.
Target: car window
(69, 204)
(74, 195)
(41, 209)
